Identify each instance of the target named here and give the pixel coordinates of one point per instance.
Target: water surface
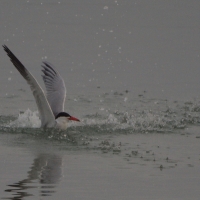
(132, 75)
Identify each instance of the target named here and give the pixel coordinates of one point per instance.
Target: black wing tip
(48, 66)
(6, 49)
(4, 46)
(18, 65)
(9, 52)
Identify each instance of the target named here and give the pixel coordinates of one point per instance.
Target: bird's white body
(61, 123)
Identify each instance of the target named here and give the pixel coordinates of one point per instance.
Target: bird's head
(67, 116)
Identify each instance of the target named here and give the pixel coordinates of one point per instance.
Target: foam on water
(160, 118)
(29, 119)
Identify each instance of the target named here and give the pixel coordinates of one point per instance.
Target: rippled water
(148, 135)
(118, 112)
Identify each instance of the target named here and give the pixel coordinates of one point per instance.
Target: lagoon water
(131, 70)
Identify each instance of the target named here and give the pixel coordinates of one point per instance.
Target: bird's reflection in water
(44, 175)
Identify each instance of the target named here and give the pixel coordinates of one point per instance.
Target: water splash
(160, 118)
(28, 119)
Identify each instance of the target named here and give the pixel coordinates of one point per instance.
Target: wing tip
(4, 46)
(6, 49)
(49, 66)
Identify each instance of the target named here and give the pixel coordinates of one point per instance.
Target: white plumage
(50, 107)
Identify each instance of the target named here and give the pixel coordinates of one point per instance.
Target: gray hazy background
(119, 45)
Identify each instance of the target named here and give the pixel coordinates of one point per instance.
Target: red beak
(74, 119)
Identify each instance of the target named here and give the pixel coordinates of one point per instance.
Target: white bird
(50, 106)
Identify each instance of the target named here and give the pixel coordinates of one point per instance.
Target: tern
(51, 105)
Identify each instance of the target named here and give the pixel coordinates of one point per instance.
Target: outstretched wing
(55, 87)
(47, 117)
